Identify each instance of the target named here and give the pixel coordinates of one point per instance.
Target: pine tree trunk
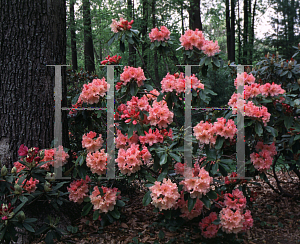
(155, 52)
(73, 35)
(144, 31)
(88, 38)
(232, 31)
(251, 37)
(194, 15)
(228, 33)
(245, 33)
(33, 36)
(239, 36)
(130, 46)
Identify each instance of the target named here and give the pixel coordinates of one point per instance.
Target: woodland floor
(276, 221)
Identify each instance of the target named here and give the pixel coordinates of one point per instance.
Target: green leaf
(191, 203)
(208, 61)
(49, 237)
(161, 234)
(86, 209)
(290, 75)
(19, 207)
(30, 220)
(202, 61)
(96, 214)
(211, 154)
(163, 159)
(111, 40)
(148, 87)
(28, 227)
(206, 201)
(288, 122)
(160, 97)
(162, 175)
(147, 198)
(284, 73)
(212, 194)
(219, 142)
(120, 203)
(115, 213)
(150, 178)
(42, 230)
(23, 198)
(133, 88)
(214, 168)
(216, 61)
(130, 130)
(175, 156)
(217, 221)
(272, 130)
(297, 137)
(258, 128)
(130, 40)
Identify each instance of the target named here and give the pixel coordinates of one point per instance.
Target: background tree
(33, 35)
(73, 35)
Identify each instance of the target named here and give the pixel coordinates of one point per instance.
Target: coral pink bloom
(210, 48)
(106, 202)
(79, 190)
(97, 162)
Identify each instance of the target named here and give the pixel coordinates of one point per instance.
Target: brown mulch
(276, 221)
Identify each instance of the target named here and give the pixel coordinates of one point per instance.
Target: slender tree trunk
(245, 33)
(33, 35)
(251, 37)
(144, 31)
(228, 33)
(130, 46)
(239, 36)
(73, 35)
(232, 31)
(291, 13)
(155, 52)
(88, 38)
(194, 15)
(182, 18)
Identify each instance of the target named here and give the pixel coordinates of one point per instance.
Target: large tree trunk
(239, 36)
(144, 31)
(251, 37)
(33, 35)
(194, 15)
(232, 31)
(73, 35)
(88, 38)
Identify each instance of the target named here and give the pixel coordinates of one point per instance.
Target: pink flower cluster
(208, 229)
(78, 190)
(267, 90)
(30, 185)
(152, 137)
(131, 111)
(60, 160)
(111, 60)
(93, 91)
(120, 25)
(77, 105)
(234, 222)
(129, 161)
(235, 200)
(183, 205)
(177, 82)
(153, 95)
(106, 202)
(164, 195)
(159, 35)
(197, 185)
(160, 115)
(89, 142)
(19, 166)
(244, 79)
(249, 108)
(207, 132)
(196, 39)
(131, 73)
(97, 162)
(262, 161)
(122, 141)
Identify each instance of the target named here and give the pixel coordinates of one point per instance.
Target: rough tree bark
(32, 35)
(232, 31)
(88, 38)
(194, 15)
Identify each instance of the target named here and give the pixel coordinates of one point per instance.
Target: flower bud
(14, 170)
(290, 65)
(268, 55)
(50, 176)
(298, 81)
(4, 171)
(47, 186)
(299, 45)
(21, 216)
(18, 189)
(281, 65)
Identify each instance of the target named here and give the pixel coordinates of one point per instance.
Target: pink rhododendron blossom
(19, 166)
(60, 160)
(93, 91)
(244, 79)
(129, 161)
(120, 25)
(183, 205)
(131, 73)
(197, 185)
(79, 190)
(23, 150)
(146, 155)
(164, 195)
(248, 220)
(30, 185)
(153, 95)
(151, 137)
(159, 35)
(192, 39)
(97, 162)
(235, 200)
(160, 115)
(90, 143)
(262, 161)
(105, 202)
(231, 222)
(208, 229)
(210, 48)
